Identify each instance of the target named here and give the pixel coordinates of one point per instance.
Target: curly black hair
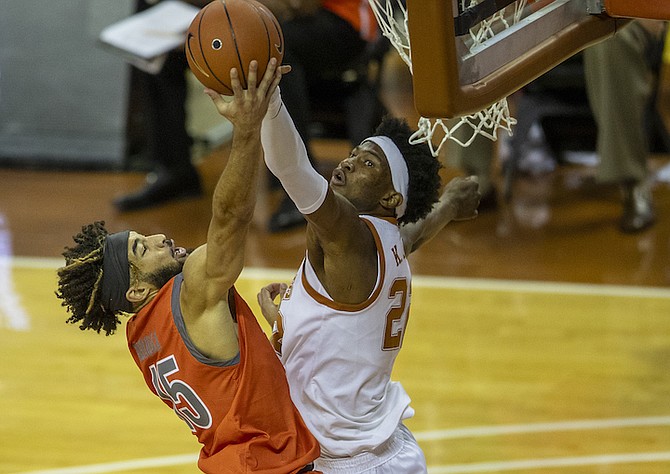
(423, 168)
(80, 281)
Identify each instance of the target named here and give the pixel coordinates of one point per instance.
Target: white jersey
(339, 357)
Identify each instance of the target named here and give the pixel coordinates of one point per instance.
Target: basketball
(228, 34)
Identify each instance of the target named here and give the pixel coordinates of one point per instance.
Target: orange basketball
(228, 34)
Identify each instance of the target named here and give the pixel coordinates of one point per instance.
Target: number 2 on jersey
(395, 326)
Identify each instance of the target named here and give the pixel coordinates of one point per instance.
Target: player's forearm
(418, 233)
(233, 203)
(236, 191)
(459, 201)
(286, 157)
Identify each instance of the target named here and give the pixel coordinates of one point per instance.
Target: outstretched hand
(463, 196)
(247, 107)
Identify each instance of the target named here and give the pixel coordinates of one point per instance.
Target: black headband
(116, 272)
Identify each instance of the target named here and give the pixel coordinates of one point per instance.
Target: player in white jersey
(324, 339)
(344, 317)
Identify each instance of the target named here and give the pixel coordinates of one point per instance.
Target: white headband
(398, 167)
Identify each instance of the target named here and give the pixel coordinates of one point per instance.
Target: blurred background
(539, 311)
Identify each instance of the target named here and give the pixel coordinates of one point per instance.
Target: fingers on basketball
(230, 34)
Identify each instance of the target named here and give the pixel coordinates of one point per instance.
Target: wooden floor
(539, 339)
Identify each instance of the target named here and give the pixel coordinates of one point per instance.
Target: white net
(392, 18)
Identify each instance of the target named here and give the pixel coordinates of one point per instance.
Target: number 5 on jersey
(185, 402)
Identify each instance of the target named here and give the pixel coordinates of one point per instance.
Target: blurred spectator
(621, 79)
(166, 142)
(322, 38)
(621, 75)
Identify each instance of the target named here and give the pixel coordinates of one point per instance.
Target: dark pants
(316, 46)
(158, 113)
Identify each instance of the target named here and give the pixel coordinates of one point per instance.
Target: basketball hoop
(392, 19)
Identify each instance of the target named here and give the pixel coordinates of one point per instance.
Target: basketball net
(392, 19)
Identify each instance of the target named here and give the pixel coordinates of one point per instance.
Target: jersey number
(186, 403)
(395, 326)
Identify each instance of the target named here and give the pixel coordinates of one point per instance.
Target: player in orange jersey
(197, 343)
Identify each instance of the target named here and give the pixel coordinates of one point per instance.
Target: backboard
(651, 9)
(456, 74)
(468, 56)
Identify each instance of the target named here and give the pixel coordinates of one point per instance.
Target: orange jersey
(241, 412)
(358, 13)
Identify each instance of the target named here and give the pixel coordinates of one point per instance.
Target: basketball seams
(262, 16)
(280, 35)
(194, 62)
(204, 56)
(246, 31)
(233, 38)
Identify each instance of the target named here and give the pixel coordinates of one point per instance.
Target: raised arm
(337, 239)
(234, 197)
(286, 157)
(458, 202)
(213, 268)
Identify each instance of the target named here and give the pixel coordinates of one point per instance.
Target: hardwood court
(539, 338)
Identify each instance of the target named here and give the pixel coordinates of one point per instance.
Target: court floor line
(257, 273)
(467, 432)
(121, 466)
(531, 464)
(456, 433)
(493, 466)
(576, 425)
(13, 315)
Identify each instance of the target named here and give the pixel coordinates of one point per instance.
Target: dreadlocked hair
(80, 281)
(424, 179)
